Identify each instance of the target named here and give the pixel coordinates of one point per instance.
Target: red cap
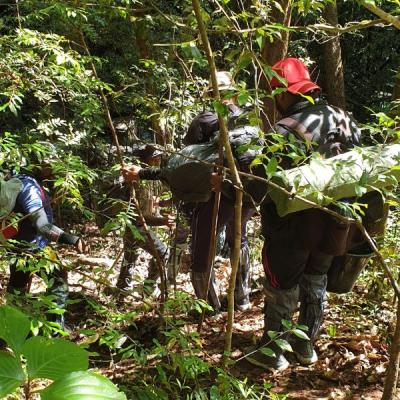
(296, 74)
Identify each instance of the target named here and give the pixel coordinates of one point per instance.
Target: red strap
(12, 231)
(9, 232)
(43, 195)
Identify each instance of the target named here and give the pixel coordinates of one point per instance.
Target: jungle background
(67, 68)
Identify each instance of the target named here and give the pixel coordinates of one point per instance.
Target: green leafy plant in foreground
(56, 360)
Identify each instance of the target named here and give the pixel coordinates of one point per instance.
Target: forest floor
(352, 347)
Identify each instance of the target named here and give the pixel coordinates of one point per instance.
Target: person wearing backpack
(202, 129)
(299, 247)
(201, 138)
(188, 173)
(205, 125)
(23, 195)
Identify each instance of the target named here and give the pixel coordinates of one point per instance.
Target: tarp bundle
(325, 180)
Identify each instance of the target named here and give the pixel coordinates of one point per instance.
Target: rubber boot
(173, 266)
(243, 278)
(280, 304)
(124, 281)
(199, 282)
(312, 304)
(60, 291)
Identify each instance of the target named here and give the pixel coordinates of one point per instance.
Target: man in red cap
(299, 247)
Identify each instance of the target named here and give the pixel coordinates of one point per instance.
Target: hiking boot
(257, 356)
(200, 284)
(304, 351)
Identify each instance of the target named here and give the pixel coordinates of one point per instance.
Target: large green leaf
(14, 327)
(53, 358)
(11, 373)
(82, 385)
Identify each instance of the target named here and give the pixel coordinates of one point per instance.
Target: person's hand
(81, 246)
(216, 180)
(131, 173)
(170, 221)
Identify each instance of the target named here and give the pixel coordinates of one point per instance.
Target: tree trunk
(332, 61)
(396, 89)
(390, 389)
(272, 53)
(396, 96)
(144, 47)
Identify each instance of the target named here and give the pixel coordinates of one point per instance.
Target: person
(299, 248)
(205, 124)
(150, 156)
(203, 128)
(22, 194)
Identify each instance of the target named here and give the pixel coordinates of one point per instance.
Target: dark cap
(146, 151)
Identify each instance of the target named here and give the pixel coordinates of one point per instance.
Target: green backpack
(188, 171)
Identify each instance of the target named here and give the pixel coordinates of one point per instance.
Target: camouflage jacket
(328, 129)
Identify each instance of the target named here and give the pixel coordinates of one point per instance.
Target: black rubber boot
(60, 291)
(243, 277)
(312, 304)
(124, 281)
(280, 305)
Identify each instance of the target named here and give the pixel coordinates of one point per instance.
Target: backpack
(8, 231)
(188, 171)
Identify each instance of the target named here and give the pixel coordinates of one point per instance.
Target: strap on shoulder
(297, 127)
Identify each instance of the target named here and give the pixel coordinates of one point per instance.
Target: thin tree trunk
(396, 89)
(396, 96)
(272, 53)
(332, 61)
(144, 47)
(390, 389)
(232, 278)
(18, 14)
(27, 390)
(234, 174)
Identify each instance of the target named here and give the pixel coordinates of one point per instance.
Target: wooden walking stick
(213, 234)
